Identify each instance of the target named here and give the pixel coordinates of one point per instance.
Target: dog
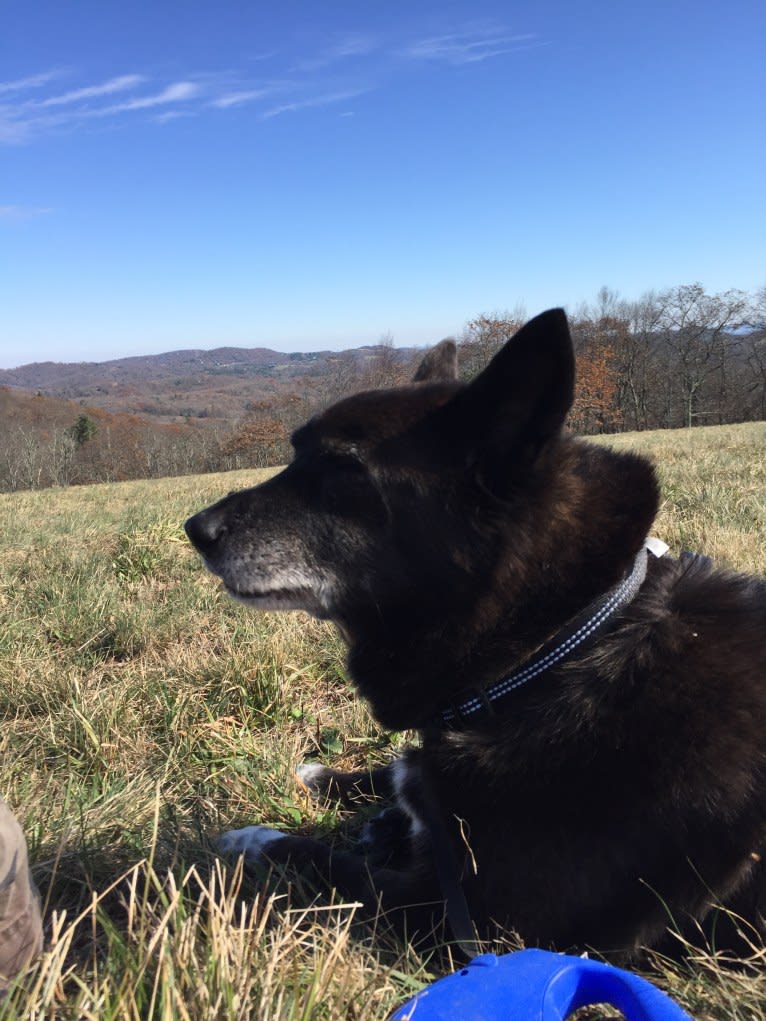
(591, 770)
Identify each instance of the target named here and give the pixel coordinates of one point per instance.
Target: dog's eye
(346, 485)
(340, 471)
(344, 464)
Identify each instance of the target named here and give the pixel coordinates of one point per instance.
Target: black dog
(592, 768)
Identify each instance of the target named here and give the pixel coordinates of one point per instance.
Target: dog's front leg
(325, 782)
(411, 900)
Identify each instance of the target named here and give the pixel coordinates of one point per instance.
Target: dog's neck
(578, 634)
(576, 541)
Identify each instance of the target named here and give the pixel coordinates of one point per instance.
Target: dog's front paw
(252, 842)
(316, 778)
(385, 838)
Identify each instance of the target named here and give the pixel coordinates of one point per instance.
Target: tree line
(682, 357)
(679, 357)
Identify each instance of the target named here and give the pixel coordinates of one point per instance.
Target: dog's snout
(206, 529)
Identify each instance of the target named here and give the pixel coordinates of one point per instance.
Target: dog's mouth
(280, 599)
(276, 588)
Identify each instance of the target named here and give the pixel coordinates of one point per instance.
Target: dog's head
(405, 511)
(366, 468)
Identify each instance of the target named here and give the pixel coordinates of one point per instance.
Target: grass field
(143, 713)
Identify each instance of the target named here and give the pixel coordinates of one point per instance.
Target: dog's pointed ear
(439, 365)
(513, 409)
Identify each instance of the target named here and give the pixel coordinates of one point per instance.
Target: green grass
(144, 712)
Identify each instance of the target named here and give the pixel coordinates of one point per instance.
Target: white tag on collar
(656, 546)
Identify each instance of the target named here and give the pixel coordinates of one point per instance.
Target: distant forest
(676, 358)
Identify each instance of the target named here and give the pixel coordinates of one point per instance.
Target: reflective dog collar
(584, 626)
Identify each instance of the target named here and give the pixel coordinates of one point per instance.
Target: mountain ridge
(32, 374)
(218, 382)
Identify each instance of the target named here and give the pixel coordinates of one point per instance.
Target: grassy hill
(144, 712)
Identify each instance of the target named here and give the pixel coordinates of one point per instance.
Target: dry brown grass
(714, 489)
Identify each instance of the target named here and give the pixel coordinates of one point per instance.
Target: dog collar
(585, 626)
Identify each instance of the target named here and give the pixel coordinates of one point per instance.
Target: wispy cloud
(241, 98)
(348, 66)
(14, 214)
(172, 115)
(27, 117)
(314, 101)
(12, 132)
(121, 84)
(178, 92)
(354, 45)
(467, 47)
(34, 81)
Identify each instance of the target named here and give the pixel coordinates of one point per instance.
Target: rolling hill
(223, 383)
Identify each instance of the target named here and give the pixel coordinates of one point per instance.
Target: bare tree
(61, 458)
(754, 347)
(371, 368)
(483, 337)
(635, 354)
(697, 331)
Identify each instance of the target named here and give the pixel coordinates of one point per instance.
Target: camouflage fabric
(21, 932)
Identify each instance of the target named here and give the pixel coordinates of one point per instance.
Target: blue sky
(303, 175)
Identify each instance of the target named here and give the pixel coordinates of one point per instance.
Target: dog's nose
(206, 529)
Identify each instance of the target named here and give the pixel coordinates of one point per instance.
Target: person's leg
(21, 930)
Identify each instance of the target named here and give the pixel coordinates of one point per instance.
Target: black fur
(450, 530)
